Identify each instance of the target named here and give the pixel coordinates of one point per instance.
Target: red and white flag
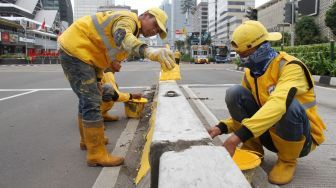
(43, 25)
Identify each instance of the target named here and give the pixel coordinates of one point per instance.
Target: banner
(13, 38)
(4, 36)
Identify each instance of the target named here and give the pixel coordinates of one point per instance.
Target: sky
(143, 5)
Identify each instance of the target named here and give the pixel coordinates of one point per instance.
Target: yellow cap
(161, 18)
(250, 34)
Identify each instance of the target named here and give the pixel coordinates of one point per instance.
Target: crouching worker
(275, 105)
(111, 93)
(93, 43)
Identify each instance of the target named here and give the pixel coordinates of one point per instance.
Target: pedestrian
(177, 56)
(275, 105)
(111, 93)
(90, 45)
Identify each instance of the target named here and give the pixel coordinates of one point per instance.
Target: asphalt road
(39, 140)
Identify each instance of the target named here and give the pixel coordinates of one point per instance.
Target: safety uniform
(274, 92)
(177, 56)
(117, 96)
(114, 33)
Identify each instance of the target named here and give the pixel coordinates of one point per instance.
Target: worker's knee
(109, 93)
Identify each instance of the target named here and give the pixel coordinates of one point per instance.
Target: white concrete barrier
(177, 128)
(199, 167)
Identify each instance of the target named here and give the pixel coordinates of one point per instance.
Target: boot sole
(103, 165)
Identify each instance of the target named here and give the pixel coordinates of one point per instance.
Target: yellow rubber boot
(82, 144)
(288, 152)
(80, 127)
(105, 107)
(253, 144)
(97, 154)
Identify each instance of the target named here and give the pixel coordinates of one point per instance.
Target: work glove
(162, 55)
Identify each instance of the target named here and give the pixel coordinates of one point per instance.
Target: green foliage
(286, 37)
(307, 32)
(238, 62)
(187, 58)
(330, 18)
(13, 56)
(179, 45)
(188, 6)
(316, 57)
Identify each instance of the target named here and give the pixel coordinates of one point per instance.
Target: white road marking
(13, 96)
(109, 175)
(69, 89)
(232, 70)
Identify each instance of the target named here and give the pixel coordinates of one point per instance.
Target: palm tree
(188, 7)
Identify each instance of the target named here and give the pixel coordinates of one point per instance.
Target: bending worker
(274, 106)
(112, 94)
(90, 45)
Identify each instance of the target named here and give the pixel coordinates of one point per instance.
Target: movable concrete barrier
(199, 167)
(177, 128)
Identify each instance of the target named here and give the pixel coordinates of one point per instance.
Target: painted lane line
(13, 96)
(109, 175)
(69, 89)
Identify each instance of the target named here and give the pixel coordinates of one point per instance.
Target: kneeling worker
(275, 105)
(112, 94)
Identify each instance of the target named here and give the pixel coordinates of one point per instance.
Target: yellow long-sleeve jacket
(102, 38)
(108, 78)
(285, 78)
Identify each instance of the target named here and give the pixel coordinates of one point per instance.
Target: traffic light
(288, 13)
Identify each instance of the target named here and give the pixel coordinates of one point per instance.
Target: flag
(43, 25)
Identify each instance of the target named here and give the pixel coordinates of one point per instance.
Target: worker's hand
(136, 95)
(162, 55)
(214, 131)
(231, 144)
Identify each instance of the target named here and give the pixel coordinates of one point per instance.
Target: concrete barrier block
(177, 127)
(199, 167)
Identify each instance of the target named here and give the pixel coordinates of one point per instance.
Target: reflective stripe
(309, 104)
(112, 52)
(247, 83)
(281, 64)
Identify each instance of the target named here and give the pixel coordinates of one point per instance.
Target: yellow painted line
(144, 165)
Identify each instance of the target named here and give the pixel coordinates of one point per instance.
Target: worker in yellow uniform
(112, 94)
(177, 56)
(90, 45)
(275, 105)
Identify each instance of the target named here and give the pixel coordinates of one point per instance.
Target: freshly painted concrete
(199, 167)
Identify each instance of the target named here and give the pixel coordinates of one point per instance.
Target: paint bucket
(247, 161)
(134, 107)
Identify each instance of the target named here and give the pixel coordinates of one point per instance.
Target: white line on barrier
(208, 115)
(13, 96)
(109, 175)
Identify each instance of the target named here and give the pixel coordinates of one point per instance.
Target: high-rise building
(271, 14)
(177, 20)
(200, 19)
(89, 7)
(224, 17)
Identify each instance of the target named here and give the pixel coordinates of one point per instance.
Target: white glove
(162, 55)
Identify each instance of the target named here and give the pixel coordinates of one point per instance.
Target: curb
(331, 81)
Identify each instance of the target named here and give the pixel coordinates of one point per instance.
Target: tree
(307, 32)
(330, 18)
(188, 7)
(179, 45)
